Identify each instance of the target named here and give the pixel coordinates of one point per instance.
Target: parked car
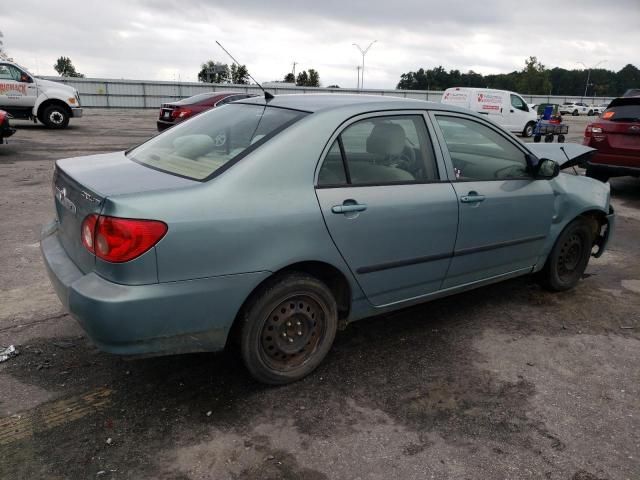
(27, 97)
(5, 128)
(575, 109)
(176, 112)
(505, 108)
(632, 92)
(271, 222)
(598, 109)
(616, 136)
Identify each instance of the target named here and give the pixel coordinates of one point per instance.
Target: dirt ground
(505, 382)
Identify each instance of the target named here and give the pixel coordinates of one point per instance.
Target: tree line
(533, 79)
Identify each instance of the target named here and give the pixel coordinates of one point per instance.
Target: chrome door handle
(472, 198)
(349, 207)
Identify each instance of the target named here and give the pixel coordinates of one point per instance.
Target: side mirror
(547, 169)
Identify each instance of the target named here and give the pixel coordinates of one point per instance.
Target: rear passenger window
(381, 150)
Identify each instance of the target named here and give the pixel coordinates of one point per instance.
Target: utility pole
(294, 69)
(358, 68)
(586, 86)
(363, 52)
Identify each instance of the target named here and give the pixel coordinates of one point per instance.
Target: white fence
(113, 93)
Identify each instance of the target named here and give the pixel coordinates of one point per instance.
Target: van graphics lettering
(13, 89)
(455, 96)
(489, 101)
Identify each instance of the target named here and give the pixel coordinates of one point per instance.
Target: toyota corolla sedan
(270, 222)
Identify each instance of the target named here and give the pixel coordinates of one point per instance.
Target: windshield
(198, 148)
(201, 97)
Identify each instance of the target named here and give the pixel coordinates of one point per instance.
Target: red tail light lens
(119, 240)
(595, 131)
(181, 113)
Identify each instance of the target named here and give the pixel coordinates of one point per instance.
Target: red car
(175, 112)
(616, 136)
(5, 128)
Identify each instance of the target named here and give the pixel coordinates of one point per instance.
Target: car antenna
(267, 96)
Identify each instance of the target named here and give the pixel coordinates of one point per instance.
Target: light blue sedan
(271, 222)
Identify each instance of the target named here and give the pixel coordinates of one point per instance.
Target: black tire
(561, 138)
(590, 114)
(528, 129)
(597, 174)
(548, 138)
(568, 258)
(287, 328)
(575, 113)
(537, 138)
(55, 116)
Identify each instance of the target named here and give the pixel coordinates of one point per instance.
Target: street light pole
(586, 86)
(363, 52)
(358, 68)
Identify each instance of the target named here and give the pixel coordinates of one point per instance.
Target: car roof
(333, 101)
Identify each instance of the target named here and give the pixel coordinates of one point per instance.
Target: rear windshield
(622, 113)
(201, 97)
(202, 146)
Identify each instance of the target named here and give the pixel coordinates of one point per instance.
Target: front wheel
(528, 129)
(287, 329)
(55, 116)
(575, 113)
(568, 258)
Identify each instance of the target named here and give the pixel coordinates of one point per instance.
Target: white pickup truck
(29, 98)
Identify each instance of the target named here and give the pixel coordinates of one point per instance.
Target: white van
(507, 109)
(27, 97)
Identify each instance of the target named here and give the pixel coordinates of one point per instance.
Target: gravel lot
(505, 382)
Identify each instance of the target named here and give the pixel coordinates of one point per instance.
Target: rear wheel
(590, 114)
(561, 138)
(537, 138)
(548, 138)
(575, 113)
(287, 329)
(568, 258)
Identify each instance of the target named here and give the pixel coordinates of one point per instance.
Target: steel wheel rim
(56, 117)
(570, 256)
(292, 332)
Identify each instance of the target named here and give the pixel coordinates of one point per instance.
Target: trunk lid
(81, 186)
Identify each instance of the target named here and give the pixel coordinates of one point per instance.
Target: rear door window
(623, 113)
(380, 151)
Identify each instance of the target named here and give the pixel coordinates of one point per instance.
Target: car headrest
(192, 146)
(386, 139)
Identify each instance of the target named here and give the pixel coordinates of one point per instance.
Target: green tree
(65, 68)
(534, 78)
(290, 78)
(213, 72)
(239, 74)
(303, 79)
(628, 77)
(314, 78)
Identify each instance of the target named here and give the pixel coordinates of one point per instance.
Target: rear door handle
(350, 207)
(473, 198)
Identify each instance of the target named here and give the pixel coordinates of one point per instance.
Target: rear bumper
(161, 318)
(610, 164)
(76, 112)
(163, 124)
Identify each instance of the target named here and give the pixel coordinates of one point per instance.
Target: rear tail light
(180, 113)
(119, 240)
(596, 132)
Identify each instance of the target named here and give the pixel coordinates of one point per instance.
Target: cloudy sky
(168, 39)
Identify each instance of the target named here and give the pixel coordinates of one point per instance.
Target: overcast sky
(168, 39)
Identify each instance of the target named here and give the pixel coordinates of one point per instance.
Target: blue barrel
(548, 111)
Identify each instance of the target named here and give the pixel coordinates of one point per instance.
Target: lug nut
(288, 324)
(284, 334)
(291, 340)
(299, 333)
(298, 323)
